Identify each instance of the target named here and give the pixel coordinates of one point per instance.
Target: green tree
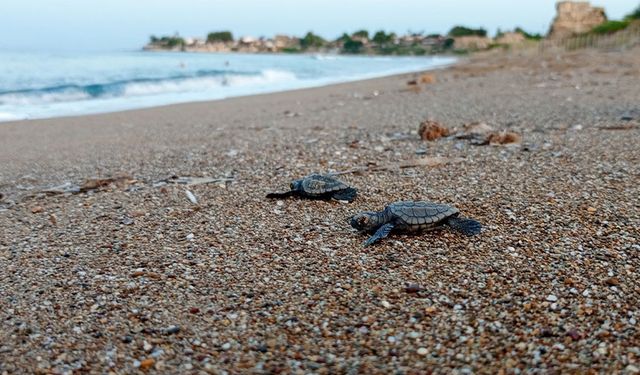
(465, 31)
(528, 35)
(352, 46)
(448, 43)
(343, 38)
(360, 34)
(171, 41)
(219, 36)
(635, 15)
(381, 37)
(610, 27)
(311, 40)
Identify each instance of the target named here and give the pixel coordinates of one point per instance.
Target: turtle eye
(291, 186)
(363, 220)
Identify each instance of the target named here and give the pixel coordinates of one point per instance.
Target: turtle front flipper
(464, 225)
(381, 233)
(348, 194)
(286, 194)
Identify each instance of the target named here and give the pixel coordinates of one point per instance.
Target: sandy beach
(134, 276)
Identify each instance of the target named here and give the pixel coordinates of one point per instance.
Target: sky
(53, 25)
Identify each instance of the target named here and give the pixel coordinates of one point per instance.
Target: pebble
(226, 346)
(385, 304)
(172, 330)
(552, 298)
(422, 351)
(632, 369)
(147, 363)
(192, 198)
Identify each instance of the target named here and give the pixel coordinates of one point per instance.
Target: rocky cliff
(575, 17)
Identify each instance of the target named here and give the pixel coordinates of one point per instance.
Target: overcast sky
(127, 24)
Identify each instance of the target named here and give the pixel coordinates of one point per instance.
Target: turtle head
(365, 221)
(296, 185)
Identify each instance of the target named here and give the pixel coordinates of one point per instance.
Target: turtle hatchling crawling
(412, 217)
(317, 186)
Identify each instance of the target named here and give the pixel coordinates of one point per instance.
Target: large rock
(575, 17)
(472, 42)
(510, 38)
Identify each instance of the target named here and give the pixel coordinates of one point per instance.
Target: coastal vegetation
(635, 15)
(610, 27)
(613, 26)
(220, 36)
(458, 31)
(167, 41)
(459, 39)
(311, 40)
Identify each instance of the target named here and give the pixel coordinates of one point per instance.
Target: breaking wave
(200, 81)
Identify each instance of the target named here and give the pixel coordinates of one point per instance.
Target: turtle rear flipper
(464, 225)
(282, 195)
(348, 194)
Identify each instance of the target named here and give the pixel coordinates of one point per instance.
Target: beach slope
(143, 273)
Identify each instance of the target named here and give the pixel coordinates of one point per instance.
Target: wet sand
(134, 276)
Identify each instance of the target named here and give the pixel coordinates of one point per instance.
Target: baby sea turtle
(317, 186)
(411, 217)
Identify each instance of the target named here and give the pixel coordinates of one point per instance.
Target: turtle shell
(421, 213)
(316, 184)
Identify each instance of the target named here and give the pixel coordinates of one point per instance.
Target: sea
(44, 85)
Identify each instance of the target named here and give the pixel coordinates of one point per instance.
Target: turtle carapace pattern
(412, 217)
(317, 186)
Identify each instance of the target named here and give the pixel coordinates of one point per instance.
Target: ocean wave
(198, 81)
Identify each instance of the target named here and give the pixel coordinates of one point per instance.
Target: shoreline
(302, 85)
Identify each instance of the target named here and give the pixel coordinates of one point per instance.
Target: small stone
(591, 209)
(226, 346)
(574, 334)
(190, 237)
(391, 339)
(413, 288)
(126, 220)
(612, 281)
(127, 339)
(137, 213)
(36, 209)
(552, 298)
(191, 197)
(172, 330)
(194, 310)
(558, 346)
(147, 363)
(385, 304)
(422, 351)
(431, 130)
(146, 346)
(632, 369)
